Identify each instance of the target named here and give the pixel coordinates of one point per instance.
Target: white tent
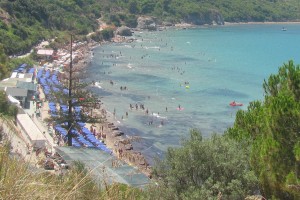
(31, 131)
(13, 100)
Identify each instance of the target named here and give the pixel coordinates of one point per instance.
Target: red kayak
(233, 103)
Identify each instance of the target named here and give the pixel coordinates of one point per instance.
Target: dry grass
(18, 182)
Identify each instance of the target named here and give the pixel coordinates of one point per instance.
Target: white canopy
(13, 100)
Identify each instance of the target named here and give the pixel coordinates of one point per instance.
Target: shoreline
(115, 143)
(189, 26)
(107, 130)
(120, 145)
(259, 23)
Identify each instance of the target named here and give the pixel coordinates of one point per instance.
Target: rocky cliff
(146, 22)
(212, 17)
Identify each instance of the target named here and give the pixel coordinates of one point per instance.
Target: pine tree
(271, 128)
(77, 101)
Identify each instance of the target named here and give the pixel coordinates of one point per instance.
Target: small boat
(233, 103)
(284, 29)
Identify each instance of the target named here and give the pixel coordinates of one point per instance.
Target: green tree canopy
(205, 168)
(6, 108)
(271, 128)
(3, 63)
(26, 23)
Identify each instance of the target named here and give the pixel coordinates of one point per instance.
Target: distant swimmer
(151, 122)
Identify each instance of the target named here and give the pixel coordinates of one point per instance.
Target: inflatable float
(233, 103)
(180, 109)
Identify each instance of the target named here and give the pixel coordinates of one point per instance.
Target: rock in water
(124, 31)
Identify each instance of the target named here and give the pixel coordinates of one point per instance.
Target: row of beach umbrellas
(82, 136)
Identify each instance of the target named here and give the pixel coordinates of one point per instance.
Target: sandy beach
(107, 130)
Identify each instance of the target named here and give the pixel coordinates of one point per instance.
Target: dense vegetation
(206, 169)
(7, 65)
(271, 130)
(25, 23)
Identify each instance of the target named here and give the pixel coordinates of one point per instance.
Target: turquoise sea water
(220, 64)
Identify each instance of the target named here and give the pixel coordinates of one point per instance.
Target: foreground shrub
(205, 169)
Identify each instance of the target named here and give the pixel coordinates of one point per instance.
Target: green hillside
(260, 154)
(25, 23)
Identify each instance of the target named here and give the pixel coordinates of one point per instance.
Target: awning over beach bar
(98, 161)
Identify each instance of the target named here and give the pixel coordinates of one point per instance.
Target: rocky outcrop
(124, 31)
(211, 17)
(147, 23)
(167, 24)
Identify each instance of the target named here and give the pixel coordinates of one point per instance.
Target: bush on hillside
(205, 169)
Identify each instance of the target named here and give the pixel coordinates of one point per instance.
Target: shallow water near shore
(201, 70)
